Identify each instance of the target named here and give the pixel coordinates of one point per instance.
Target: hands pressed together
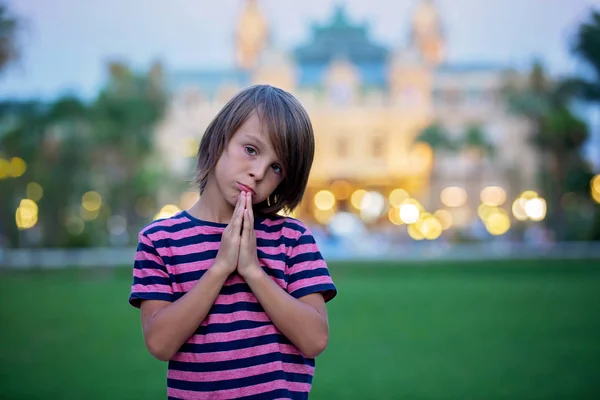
(238, 243)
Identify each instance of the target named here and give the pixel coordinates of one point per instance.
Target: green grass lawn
(502, 330)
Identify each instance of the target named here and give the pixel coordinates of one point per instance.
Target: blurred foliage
(71, 147)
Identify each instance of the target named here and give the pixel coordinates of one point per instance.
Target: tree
(474, 141)
(124, 116)
(586, 46)
(556, 132)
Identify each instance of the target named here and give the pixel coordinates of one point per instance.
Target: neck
(211, 206)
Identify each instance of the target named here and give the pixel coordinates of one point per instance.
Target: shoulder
(164, 227)
(287, 226)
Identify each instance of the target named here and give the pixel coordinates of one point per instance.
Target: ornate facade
(368, 104)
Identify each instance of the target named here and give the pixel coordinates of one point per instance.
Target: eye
(250, 150)
(277, 168)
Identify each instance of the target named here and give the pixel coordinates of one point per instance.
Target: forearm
(172, 325)
(301, 323)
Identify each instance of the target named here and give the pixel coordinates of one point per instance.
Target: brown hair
(289, 129)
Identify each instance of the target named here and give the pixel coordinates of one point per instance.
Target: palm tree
(556, 132)
(475, 142)
(586, 46)
(436, 136)
(8, 30)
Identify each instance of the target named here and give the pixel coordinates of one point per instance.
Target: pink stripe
(179, 234)
(245, 391)
(304, 248)
(240, 372)
(219, 337)
(142, 256)
(191, 266)
(138, 288)
(307, 266)
(302, 283)
(218, 356)
(193, 248)
(272, 250)
(287, 232)
(166, 222)
(269, 222)
(145, 240)
(147, 272)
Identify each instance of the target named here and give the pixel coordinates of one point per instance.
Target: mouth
(245, 188)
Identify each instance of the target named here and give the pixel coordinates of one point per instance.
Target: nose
(258, 170)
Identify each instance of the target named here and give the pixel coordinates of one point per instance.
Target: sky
(66, 43)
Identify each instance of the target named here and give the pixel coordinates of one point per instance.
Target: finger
(247, 230)
(238, 215)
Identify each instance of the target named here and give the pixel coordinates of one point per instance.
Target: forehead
(255, 130)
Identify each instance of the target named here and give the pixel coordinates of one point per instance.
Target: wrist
(252, 273)
(219, 270)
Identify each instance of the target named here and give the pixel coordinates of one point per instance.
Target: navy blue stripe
(277, 394)
(305, 257)
(152, 280)
(239, 306)
(225, 290)
(148, 249)
(275, 273)
(236, 363)
(149, 264)
(309, 273)
(188, 240)
(238, 383)
(136, 297)
(154, 228)
(235, 344)
(282, 240)
(276, 256)
(279, 227)
(230, 327)
(328, 290)
(188, 276)
(305, 239)
(189, 258)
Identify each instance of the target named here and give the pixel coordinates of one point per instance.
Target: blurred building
(368, 104)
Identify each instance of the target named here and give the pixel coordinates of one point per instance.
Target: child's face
(249, 163)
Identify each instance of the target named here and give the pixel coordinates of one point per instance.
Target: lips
(245, 188)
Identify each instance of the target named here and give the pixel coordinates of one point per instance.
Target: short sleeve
(307, 270)
(151, 280)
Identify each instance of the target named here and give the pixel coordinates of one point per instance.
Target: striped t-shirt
(236, 352)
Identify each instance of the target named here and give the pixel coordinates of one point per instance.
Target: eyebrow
(255, 139)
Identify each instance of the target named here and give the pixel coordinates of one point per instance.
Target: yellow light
(397, 196)
(409, 213)
(26, 216)
(493, 196)
(595, 196)
(357, 197)
(88, 215)
(324, 200)
(518, 209)
(595, 183)
(17, 167)
(4, 168)
(444, 217)
(536, 209)
(453, 196)
(324, 216)
(190, 147)
(394, 216)
(498, 223)
(167, 211)
(341, 189)
(91, 201)
(34, 191)
(414, 233)
(430, 227)
(528, 195)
